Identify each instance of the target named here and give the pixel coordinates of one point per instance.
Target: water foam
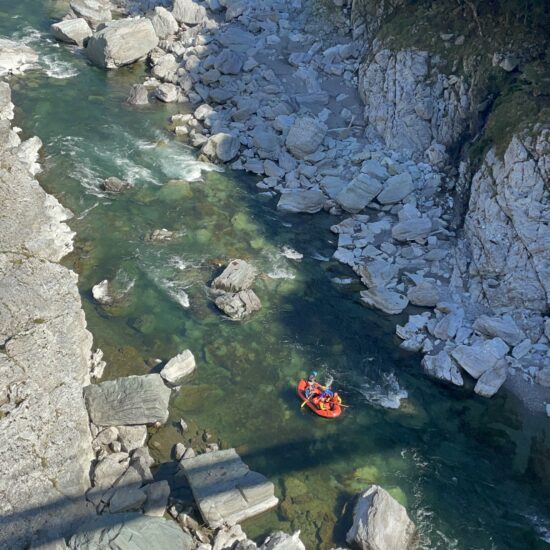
(383, 391)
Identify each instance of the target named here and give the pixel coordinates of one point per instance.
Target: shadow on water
(460, 464)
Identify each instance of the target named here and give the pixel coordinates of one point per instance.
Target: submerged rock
(73, 31)
(179, 367)
(121, 42)
(139, 95)
(116, 185)
(128, 401)
(380, 522)
(225, 489)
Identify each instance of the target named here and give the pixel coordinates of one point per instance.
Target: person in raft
(328, 400)
(312, 384)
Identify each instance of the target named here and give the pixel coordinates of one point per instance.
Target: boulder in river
(380, 522)
(121, 42)
(16, 58)
(238, 275)
(116, 185)
(94, 12)
(221, 147)
(225, 489)
(139, 95)
(384, 299)
(238, 305)
(101, 294)
(128, 401)
(309, 201)
(179, 367)
(73, 31)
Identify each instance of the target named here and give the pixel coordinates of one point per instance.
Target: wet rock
(500, 327)
(380, 522)
(116, 185)
(480, 357)
(282, 541)
(157, 498)
(491, 380)
(128, 401)
(101, 294)
(130, 530)
(139, 95)
(179, 367)
(305, 136)
(94, 12)
(132, 437)
(160, 235)
(302, 200)
(238, 305)
(164, 23)
(221, 147)
(396, 189)
(72, 31)
(384, 299)
(441, 367)
(189, 12)
(238, 275)
(225, 489)
(358, 193)
(121, 42)
(16, 58)
(229, 62)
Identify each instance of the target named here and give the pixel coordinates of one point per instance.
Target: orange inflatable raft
(326, 413)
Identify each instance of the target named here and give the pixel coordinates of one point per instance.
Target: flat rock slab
(238, 275)
(309, 201)
(128, 401)
(225, 489)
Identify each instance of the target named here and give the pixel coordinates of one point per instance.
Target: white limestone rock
(442, 368)
(480, 357)
(164, 23)
(301, 200)
(491, 380)
(179, 367)
(189, 12)
(221, 147)
(73, 31)
(501, 327)
(384, 299)
(94, 12)
(305, 136)
(238, 275)
(16, 58)
(359, 193)
(396, 189)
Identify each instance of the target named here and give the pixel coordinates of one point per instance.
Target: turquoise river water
(464, 466)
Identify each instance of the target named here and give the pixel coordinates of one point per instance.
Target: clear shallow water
(459, 463)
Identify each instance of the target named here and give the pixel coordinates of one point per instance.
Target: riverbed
(459, 463)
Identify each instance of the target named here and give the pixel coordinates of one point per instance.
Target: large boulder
(130, 531)
(238, 275)
(73, 31)
(221, 147)
(225, 489)
(425, 294)
(358, 193)
(384, 299)
(305, 136)
(16, 58)
(414, 229)
(179, 367)
(121, 42)
(164, 23)
(491, 380)
(501, 327)
(380, 522)
(189, 12)
(480, 357)
(238, 305)
(94, 12)
(283, 541)
(128, 401)
(396, 189)
(302, 200)
(442, 368)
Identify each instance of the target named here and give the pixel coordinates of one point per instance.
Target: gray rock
(128, 401)
(501, 327)
(73, 31)
(302, 200)
(282, 541)
(441, 367)
(139, 95)
(235, 38)
(189, 12)
(542, 377)
(480, 357)
(238, 305)
(165, 69)
(6, 106)
(359, 193)
(416, 229)
(380, 522)
(157, 498)
(108, 470)
(491, 380)
(377, 273)
(225, 489)
(131, 531)
(374, 169)
(266, 142)
(164, 23)
(425, 294)
(384, 299)
(16, 58)
(127, 499)
(305, 136)
(94, 12)
(238, 275)
(116, 185)
(132, 437)
(121, 42)
(167, 93)
(222, 147)
(229, 62)
(396, 189)
(179, 367)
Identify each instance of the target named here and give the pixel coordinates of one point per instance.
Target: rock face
(128, 401)
(179, 367)
(121, 42)
(73, 31)
(225, 489)
(380, 522)
(16, 58)
(45, 443)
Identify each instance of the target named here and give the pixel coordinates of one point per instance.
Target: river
(458, 462)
